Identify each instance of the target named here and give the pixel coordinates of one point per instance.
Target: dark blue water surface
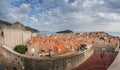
(48, 32)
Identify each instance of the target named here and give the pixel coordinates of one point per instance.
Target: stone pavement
(97, 62)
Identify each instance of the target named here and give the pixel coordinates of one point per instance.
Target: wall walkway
(116, 64)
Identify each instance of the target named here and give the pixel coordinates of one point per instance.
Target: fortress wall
(82, 57)
(1, 42)
(26, 36)
(55, 64)
(104, 49)
(48, 63)
(13, 37)
(63, 63)
(1, 37)
(9, 60)
(87, 54)
(34, 34)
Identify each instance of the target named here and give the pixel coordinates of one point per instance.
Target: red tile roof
(60, 41)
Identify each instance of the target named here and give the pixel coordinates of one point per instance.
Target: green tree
(20, 49)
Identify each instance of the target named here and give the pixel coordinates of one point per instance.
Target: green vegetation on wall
(20, 49)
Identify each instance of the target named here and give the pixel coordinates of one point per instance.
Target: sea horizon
(50, 32)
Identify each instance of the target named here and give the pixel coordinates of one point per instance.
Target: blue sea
(48, 32)
(114, 33)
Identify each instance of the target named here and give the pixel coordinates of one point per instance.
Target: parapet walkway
(97, 62)
(116, 64)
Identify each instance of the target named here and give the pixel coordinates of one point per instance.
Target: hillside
(31, 29)
(17, 24)
(101, 34)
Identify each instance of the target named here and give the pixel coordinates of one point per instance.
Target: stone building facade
(13, 37)
(15, 34)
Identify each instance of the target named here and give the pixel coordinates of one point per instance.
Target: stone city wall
(104, 49)
(10, 60)
(13, 37)
(45, 63)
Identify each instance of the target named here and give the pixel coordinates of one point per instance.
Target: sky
(55, 15)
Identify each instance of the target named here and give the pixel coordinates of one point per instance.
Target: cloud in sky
(54, 15)
(34, 19)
